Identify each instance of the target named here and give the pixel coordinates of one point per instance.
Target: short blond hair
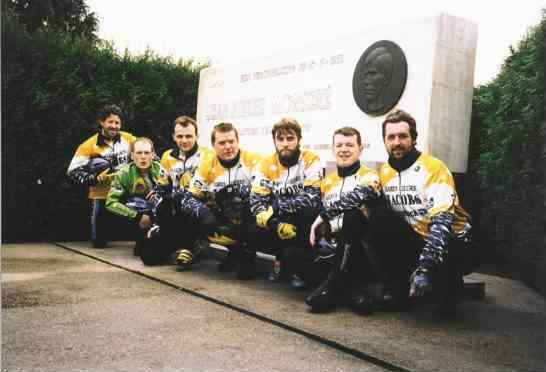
(141, 139)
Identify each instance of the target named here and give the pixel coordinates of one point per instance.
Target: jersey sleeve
(260, 195)
(441, 196)
(199, 184)
(118, 191)
(367, 192)
(78, 171)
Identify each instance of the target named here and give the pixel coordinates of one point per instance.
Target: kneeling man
(350, 198)
(218, 199)
(431, 251)
(136, 191)
(285, 199)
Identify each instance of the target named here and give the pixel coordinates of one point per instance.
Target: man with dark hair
(433, 246)
(350, 197)
(136, 192)
(285, 199)
(95, 163)
(218, 198)
(181, 162)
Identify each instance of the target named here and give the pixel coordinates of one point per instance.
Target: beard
(289, 157)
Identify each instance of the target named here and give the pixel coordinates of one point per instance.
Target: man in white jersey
(434, 253)
(285, 200)
(350, 196)
(218, 198)
(181, 163)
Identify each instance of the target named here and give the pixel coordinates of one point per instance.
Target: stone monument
(424, 66)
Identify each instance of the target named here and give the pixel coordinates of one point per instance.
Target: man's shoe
(389, 301)
(200, 249)
(297, 283)
(136, 248)
(99, 244)
(361, 303)
(326, 296)
(322, 299)
(449, 298)
(184, 259)
(229, 264)
(221, 239)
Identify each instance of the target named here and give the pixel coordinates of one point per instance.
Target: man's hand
(286, 231)
(154, 198)
(263, 217)
(312, 235)
(420, 283)
(105, 176)
(145, 222)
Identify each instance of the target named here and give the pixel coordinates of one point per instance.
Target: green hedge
(507, 158)
(52, 85)
(509, 111)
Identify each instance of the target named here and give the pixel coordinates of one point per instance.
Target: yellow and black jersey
(424, 190)
(289, 189)
(181, 169)
(346, 189)
(115, 151)
(211, 175)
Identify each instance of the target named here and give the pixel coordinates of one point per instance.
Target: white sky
(233, 30)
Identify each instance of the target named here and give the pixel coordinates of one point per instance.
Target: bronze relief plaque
(380, 78)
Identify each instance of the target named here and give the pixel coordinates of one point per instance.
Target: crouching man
(285, 199)
(218, 199)
(181, 163)
(429, 251)
(350, 198)
(136, 191)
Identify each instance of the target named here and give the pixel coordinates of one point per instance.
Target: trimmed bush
(508, 160)
(52, 85)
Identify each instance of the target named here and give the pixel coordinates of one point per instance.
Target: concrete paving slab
(504, 332)
(65, 312)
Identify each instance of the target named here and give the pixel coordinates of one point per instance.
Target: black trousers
(390, 251)
(177, 231)
(294, 254)
(106, 226)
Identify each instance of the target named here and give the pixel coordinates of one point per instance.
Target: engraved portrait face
(379, 78)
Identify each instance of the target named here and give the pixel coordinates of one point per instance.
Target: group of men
(401, 227)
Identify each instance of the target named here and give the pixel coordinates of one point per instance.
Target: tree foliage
(71, 17)
(507, 157)
(509, 111)
(52, 85)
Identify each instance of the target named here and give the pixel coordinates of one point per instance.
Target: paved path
(102, 310)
